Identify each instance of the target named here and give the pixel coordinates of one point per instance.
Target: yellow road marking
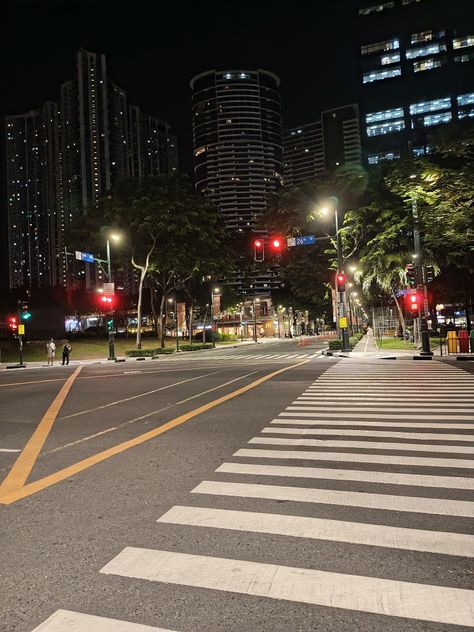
(12, 495)
(22, 467)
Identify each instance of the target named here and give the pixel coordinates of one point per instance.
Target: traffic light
(110, 324)
(25, 313)
(413, 302)
(258, 250)
(276, 244)
(410, 274)
(429, 274)
(12, 324)
(341, 282)
(106, 302)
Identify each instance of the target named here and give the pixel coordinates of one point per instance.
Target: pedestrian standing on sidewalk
(66, 352)
(50, 351)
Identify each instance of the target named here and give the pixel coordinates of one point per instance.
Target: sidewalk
(367, 348)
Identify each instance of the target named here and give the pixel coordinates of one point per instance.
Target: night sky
(154, 48)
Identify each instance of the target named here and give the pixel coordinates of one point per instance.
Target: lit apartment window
(466, 99)
(421, 151)
(386, 128)
(463, 58)
(387, 45)
(421, 51)
(463, 42)
(467, 113)
(374, 159)
(378, 75)
(426, 64)
(424, 36)
(430, 106)
(437, 119)
(376, 8)
(383, 115)
(390, 59)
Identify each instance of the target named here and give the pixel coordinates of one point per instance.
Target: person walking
(50, 351)
(66, 352)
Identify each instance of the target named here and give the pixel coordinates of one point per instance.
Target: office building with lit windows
(416, 71)
(34, 202)
(237, 136)
(312, 149)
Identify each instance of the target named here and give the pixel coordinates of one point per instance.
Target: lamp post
(341, 303)
(172, 301)
(255, 301)
(215, 291)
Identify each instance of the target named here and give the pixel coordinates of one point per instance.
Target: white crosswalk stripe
(67, 621)
(426, 410)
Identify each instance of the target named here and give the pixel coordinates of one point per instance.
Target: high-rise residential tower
(34, 200)
(417, 72)
(152, 148)
(237, 142)
(314, 148)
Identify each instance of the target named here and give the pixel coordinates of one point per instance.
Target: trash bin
(452, 342)
(463, 341)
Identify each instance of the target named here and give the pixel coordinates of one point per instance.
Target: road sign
(109, 288)
(403, 292)
(84, 256)
(343, 322)
(21, 330)
(305, 240)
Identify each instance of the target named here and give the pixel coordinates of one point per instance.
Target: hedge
(196, 346)
(147, 353)
(336, 345)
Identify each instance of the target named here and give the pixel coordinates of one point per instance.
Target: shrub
(147, 353)
(334, 345)
(197, 346)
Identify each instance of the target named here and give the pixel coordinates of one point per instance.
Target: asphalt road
(342, 498)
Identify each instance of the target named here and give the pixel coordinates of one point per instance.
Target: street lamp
(175, 320)
(215, 291)
(115, 237)
(341, 306)
(255, 301)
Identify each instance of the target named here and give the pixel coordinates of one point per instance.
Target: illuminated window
(228, 75)
(467, 113)
(386, 128)
(393, 44)
(421, 51)
(378, 75)
(437, 119)
(374, 159)
(424, 36)
(390, 59)
(463, 42)
(463, 58)
(430, 106)
(376, 8)
(421, 151)
(383, 115)
(466, 99)
(426, 64)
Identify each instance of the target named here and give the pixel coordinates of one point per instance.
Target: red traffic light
(413, 302)
(341, 282)
(106, 301)
(258, 244)
(12, 322)
(258, 249)
(276, 243)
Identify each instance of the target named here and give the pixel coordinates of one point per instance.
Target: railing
(457, 342)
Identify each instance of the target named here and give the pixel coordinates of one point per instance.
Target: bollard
(452, 342)
(463, 341)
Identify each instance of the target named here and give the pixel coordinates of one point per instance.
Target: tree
(173, 234)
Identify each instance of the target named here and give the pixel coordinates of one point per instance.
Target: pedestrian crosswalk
(242, 356)
(362, 469)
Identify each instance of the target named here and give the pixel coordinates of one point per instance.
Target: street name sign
(343, 322)
(84, 256)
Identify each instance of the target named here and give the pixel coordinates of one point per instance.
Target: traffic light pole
(341, 307)
(420, 281)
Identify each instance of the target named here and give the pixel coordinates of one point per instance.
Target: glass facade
(437, 119)
(386, 128)
(384, 115)
(466, 99)
(378, 75)
(430, 106)
(387, 45)
(421, 51)
(463, 42)
(374, 159)
(427, 64)
(389, 59)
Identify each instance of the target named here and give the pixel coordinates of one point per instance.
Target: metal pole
(420, 281)
(342, 310)
(111, 333)
(254, 321)
(176, 323)
(109, 268)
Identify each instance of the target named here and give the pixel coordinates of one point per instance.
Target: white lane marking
(352, 457)
(127, 399)
(383, 478)
(334, 590)
(375, 434)
(366, 445)
(8, 450)
(351, 415)
(386, 502)
(318, 529)
(68, 445)
(130, 372)
(68, 621)
(377, 424)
